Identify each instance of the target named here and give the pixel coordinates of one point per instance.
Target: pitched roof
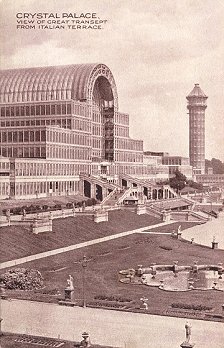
(197, 92)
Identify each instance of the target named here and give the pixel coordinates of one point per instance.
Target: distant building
(156, 170)
(210, 170)
(211, 180)
(196, 106)
(179, 163)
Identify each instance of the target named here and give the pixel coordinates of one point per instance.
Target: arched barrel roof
(52, 83)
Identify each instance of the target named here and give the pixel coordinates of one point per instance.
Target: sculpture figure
(70, 283)
(188, 332)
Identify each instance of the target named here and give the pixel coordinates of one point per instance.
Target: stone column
(93, 190)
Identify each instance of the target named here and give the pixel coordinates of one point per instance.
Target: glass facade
(64, 124)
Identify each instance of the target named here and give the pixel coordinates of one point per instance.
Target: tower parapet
(196, 106)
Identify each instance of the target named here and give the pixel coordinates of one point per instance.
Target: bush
(57, 207)
(45, 207)
(112, 298)
(69, 205)
(192, 307)
(31, 209)
(17, 211)
(22, 279)
(38, 208)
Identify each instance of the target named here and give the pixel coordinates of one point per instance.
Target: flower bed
(22, 279)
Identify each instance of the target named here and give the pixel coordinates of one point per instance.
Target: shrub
(38, 207)
(17, 211)
(57, 207)
(192, 307)
(45, 207)
(89, 202)
(69, 205)
(31, 209)
(22, 279)
(112, 298)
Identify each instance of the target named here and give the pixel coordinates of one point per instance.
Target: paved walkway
(106, 327)
(204, 234)
(44, 254)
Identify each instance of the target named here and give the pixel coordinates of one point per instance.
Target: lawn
(107, 258)
(25, 341)
(18, 241)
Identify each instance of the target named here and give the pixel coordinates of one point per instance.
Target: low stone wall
(141, 209)
(100, 216)
(41, 225)
(37, 225)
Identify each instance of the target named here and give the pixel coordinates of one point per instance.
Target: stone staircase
(115, 197)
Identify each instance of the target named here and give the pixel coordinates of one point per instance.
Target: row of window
(96, 143)
(121, 119)
(128, 157)
(62, 152)
(36, 110)
(46, 169)
(4, 164)
(130, 169)
(58, 136)
(22, 136)
(171, 161)
(121, 131)
(68, 152)
(97, 129)
(62, 123)
(97, 117)
(81, 125)
(35, 188)
(23, 152)
(129, 144)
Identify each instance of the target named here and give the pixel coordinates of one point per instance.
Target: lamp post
(1, 333)
(84, 265)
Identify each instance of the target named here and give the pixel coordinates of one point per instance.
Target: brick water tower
(196, 106)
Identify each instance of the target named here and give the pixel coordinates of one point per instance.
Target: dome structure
(75, 82)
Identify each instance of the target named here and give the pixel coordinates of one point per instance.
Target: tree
(195, 185)
(216, 165)
(178, 182)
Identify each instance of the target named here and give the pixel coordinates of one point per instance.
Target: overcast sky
(156, 49)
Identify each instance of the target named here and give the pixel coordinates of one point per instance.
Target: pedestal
(187, 345)
(215, 245)
(141, 209)
(69, 295)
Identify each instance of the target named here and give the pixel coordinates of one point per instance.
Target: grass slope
(10, 341)
(106, 259)
(18, 241)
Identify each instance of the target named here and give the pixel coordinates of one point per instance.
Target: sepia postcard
(111, 173)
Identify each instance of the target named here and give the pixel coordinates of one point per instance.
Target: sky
(156, 49)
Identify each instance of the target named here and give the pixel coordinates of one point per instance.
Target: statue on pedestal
(85, 343)
(70, 285)
(188, 332)
(144, 304)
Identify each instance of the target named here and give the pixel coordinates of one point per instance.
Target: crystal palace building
(59, 123)
(61, 133)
